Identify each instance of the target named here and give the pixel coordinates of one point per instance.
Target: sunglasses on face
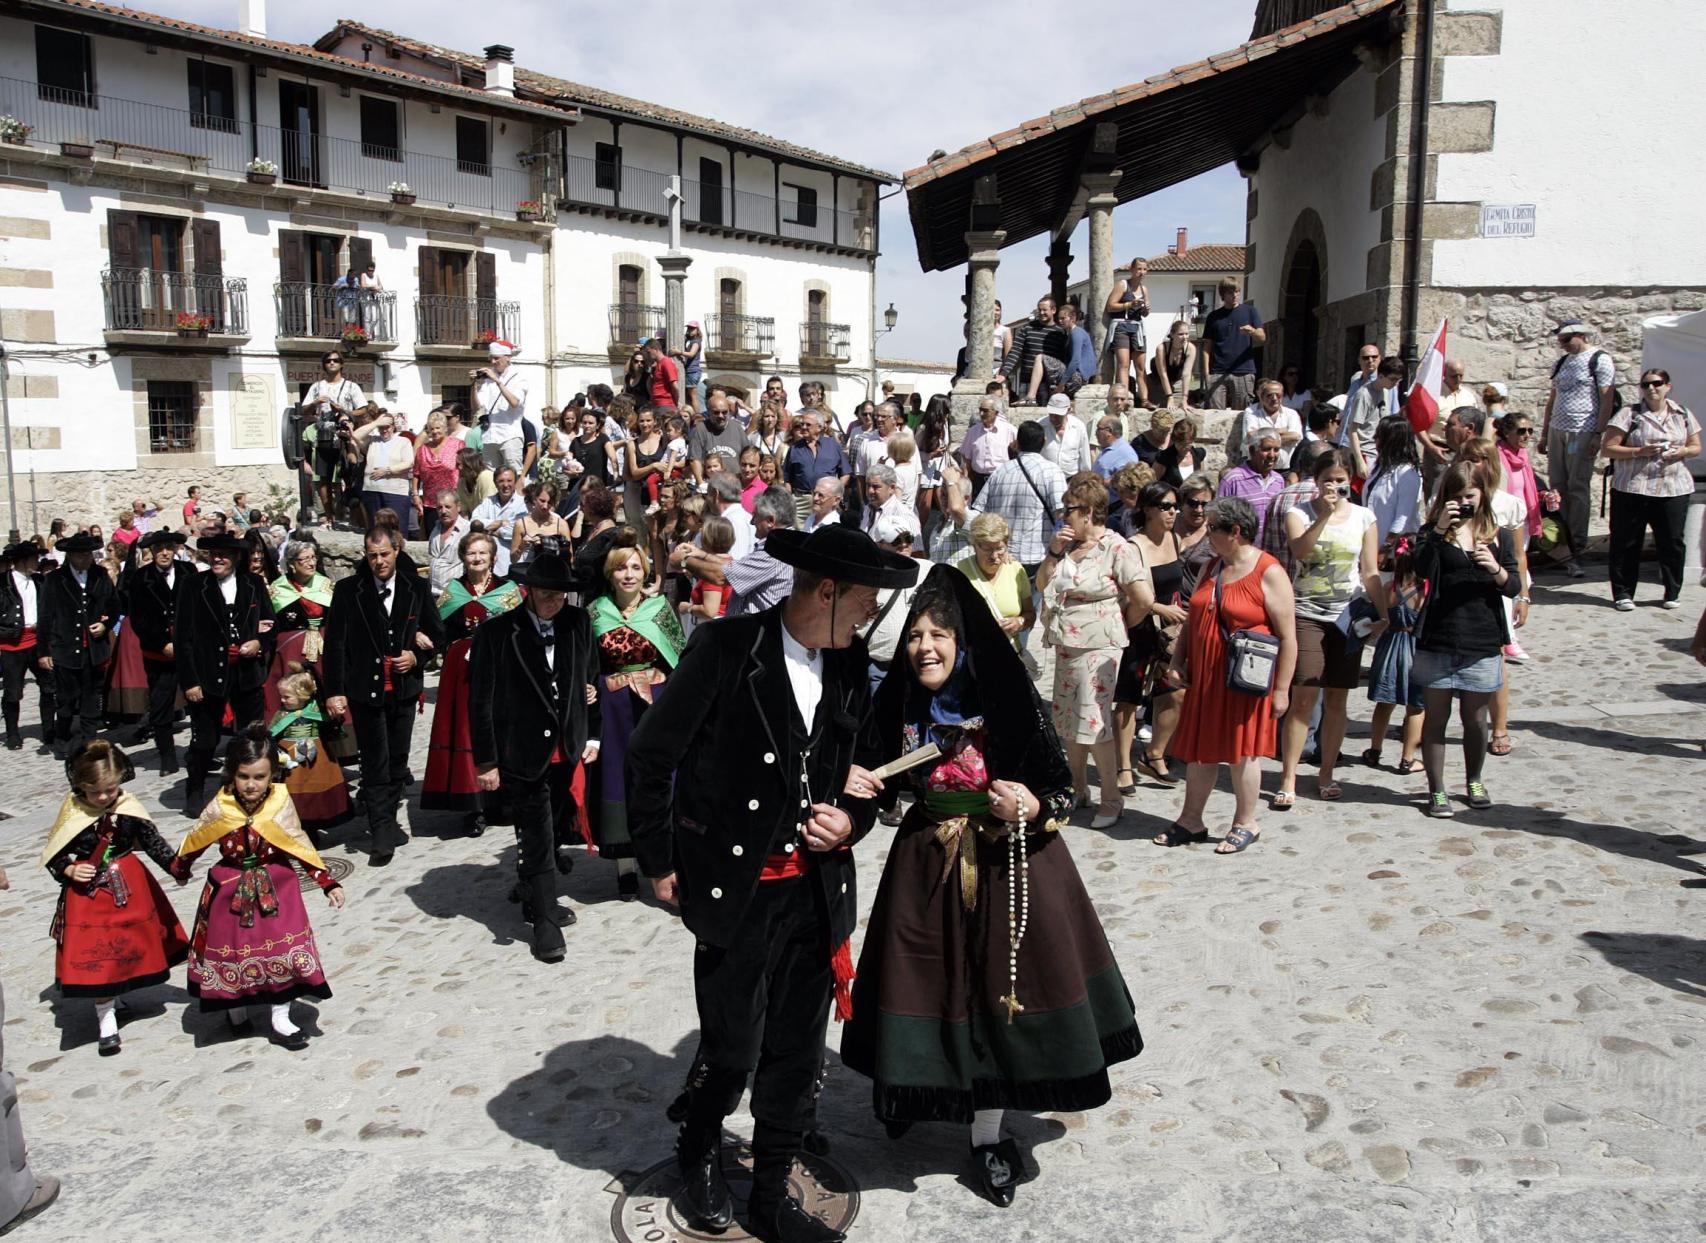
(1652, 383)
(1522, 431)
(1074, 509)
(1196, 504)
(1169, 506)
(1224, 528)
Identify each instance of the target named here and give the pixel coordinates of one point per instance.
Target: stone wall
(1506, 334)
(97, 496)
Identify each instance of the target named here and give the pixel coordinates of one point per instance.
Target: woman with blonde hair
(999, 579)
(903, 456)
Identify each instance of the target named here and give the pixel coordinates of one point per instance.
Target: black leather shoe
(705, 1199)
(295, 1042)
(627, 885)
(565, 859)
(999, 1169)
(475, 825)
(110, 1045)
(14, 744)
(380, 858)
(538, 904)
(786, 1222)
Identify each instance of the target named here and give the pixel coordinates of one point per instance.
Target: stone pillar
(674, 265)
(982, 259)
(1101, 209)
(1059, 266)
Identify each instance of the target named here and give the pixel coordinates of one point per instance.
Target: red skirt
(127, 678)
(106, 949)
(449, 784)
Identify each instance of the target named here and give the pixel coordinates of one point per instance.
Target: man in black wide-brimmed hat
(734, 783)
(78, 607)
(152, 596)
(530, 722)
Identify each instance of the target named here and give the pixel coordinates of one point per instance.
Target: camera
(1343, 489)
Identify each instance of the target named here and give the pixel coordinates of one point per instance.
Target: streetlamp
(890, 317)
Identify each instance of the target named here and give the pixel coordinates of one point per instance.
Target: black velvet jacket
(65, 611)
(359, 635)
(205, 629)
(151, 608)
(713, 772)
(520, 709)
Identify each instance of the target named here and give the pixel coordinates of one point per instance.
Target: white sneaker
(1625, 605)
(1515, 654)
(1670, 604)
(1145, 734)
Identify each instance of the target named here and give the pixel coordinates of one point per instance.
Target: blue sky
(882, 83)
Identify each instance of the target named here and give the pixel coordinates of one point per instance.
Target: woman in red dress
(469, 600)
(1245, 589)
(115, 929)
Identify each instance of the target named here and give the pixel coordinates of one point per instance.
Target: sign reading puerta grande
(645, 1212)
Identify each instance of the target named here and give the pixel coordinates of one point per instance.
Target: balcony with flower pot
(312, 318)
(456, 327)
(186, 310)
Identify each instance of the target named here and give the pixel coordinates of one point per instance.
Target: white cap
(1059, 403)
(501, 349)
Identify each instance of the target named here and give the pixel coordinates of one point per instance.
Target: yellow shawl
(274, 820)
(75, 815)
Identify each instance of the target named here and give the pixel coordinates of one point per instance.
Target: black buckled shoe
(474, 825)
(705, 1199)
(999, 1170)
(538, 906)
(784, 1221)
(110, 1045)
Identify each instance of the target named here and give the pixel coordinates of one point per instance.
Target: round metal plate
(645, 1211)
(337, 865)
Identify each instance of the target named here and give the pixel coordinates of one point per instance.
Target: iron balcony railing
(740, 334)
(444, 320)
(826, 341)
(629, 321)
(326, 311)
(153, 134)
(143, 300)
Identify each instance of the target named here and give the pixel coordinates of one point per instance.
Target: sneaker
(1145, 734)
(1573, 569)
(1515, 654)
(1478, 796)
(1439, 806)
(1624, 604)
(1670, 604)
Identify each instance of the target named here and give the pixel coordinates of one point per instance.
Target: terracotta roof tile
(561, 89)
(1204, 257)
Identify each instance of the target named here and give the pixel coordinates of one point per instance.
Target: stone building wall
(97, 496)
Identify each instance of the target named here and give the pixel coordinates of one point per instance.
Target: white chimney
(252, 17)
(500, 70)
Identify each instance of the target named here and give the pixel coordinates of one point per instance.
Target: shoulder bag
(1250, 654)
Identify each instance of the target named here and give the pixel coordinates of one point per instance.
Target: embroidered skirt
(104, 948)
(275, 959)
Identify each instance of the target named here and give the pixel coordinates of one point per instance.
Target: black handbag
(1250, 654)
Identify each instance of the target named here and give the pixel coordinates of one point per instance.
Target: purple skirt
(275, 959)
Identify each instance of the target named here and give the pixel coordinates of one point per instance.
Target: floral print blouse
(1084, 603)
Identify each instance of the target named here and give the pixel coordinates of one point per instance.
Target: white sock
(106, 1014)
(281, 1020)
(985, 1128)
(238, 1015)
(626, 867)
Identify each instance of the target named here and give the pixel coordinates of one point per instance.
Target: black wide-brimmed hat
(546, 572)
(23, 548)
(81, 542)
(844, 554)
(224, 542)
(155, 538)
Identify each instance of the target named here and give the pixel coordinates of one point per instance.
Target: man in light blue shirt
(1368, 358)
(1113, 451)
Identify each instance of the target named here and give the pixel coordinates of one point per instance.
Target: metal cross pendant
(1011, 1003)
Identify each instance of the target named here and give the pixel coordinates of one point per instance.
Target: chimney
(252, 17)
(1179, 249)
(500, 70)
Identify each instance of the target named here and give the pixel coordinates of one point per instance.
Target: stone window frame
(195, 369)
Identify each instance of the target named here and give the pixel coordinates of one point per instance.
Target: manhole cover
(337, 865)
(646, 1212)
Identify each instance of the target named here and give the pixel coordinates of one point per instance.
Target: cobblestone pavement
(1371, 1026)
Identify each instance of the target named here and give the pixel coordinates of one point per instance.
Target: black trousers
(206, 720)
(543, 809)
(15, 669)
(763, 1007)
(78, 702)
(1631, 515)
(384, 734)
(162, 697)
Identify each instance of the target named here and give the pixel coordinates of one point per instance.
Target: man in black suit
(153, 593)
(734, 779)
(74, 635)
(20, 644)
(530, 669)
(221, 647)
(378, 630)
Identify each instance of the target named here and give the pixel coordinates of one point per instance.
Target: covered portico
(1047, 174)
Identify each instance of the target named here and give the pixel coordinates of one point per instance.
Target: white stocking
(985, 1128)
(106, 1015)
(281, 1019)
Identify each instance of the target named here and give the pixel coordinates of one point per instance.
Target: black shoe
(295, 1042)
(705, 1199)
(14, 743)
(109, 1045)
(786, 1222)
(999, 1169)
(539, 906)
(380, 858)
(475, 825)
(628, 885)
(565, 856)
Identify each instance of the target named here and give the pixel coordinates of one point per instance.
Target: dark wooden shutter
(360, 253)
(292, 258)
(485, 276)
(121, 239)
(428, 275)
(204, 236)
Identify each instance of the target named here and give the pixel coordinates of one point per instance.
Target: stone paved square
(1371, 1026)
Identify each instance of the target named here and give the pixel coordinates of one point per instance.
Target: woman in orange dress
(1219, 725)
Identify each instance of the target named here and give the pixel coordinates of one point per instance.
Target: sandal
(1329, 791)
(1406, 767)
(1500, 745)
(1282, 800)
(1128, 787)
(1177, 834)
(1151, 764)
(1371, 757)
(1238, 839)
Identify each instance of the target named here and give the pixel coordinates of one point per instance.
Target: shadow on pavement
(1679, 963)
(1608, 739)
(75, 1016)
(1671, 849)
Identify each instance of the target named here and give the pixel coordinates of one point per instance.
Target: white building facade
(177, 203)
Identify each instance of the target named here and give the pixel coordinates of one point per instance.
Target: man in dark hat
(379, 631)
(152, 596)
(531, 722)
(734, 784)
(78, 605)
(20, 622)
(221, 647)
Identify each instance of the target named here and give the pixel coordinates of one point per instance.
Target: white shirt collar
(387, 592)
(805, 675)
(228, 588)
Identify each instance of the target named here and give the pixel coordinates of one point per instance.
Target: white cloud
(883, 83)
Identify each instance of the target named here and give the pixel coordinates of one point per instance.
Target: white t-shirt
(393, 455)
(1331, 576)
(1284, 421)
(503, 419)
(347, 393)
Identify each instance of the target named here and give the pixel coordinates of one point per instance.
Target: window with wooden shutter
(485, 292)
(213, 96)
(381, 129)
(65, 67)
(801, 207)
(294, 297)
(606, 166)
(710, 192)
(360, 254)
(207, 288)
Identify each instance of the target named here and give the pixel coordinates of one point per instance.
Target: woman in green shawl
(300, 597)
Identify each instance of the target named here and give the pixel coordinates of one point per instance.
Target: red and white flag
(1421, 407)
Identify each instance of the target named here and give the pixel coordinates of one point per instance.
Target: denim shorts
(1457, 671)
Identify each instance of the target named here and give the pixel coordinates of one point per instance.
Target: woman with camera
(1336, 547)
(1470, 567)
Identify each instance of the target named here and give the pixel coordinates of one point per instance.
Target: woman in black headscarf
(986, 982)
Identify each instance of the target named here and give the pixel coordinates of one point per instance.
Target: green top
(654, 619)
(304, 722)
(949, 803)
(456, 597)
(318, 590)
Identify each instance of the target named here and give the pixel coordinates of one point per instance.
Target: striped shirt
(1644, 476)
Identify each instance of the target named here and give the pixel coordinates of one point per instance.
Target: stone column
(674, 265)
(1059, 266)
(983, 257)
(1101, 209)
